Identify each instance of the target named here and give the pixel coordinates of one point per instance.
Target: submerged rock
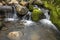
(30, 7)
(1, 4)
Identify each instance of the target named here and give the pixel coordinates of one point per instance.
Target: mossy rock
(36, 14)
(31, 7)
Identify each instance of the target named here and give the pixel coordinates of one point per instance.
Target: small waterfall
(27, 16)
(37, 7)
(12, 16)
(27, 19)
(46, 13)
(15, 15)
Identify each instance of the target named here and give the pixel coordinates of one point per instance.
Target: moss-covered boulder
(36, 14)
(48, 5)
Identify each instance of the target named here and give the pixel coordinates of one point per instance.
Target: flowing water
(45, 12)
(12, 16)
(26, 29)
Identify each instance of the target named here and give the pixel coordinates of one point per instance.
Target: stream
(26, 29)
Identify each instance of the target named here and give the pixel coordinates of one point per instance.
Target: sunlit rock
(21, 10)
(23, 3)
(1, 4)
(15, 35)
(37, 2)
(10, 19)
(12, 1)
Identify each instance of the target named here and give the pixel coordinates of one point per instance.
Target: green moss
(31, 7)
(55, 17)
(48, 5)
(36, 14)
(54, 13)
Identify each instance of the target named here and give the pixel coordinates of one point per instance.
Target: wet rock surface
(33, 31)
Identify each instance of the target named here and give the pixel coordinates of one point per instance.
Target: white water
(14, 16)
(46, 13)
(48, 23)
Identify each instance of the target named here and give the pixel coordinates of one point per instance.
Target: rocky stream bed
(27, 20)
